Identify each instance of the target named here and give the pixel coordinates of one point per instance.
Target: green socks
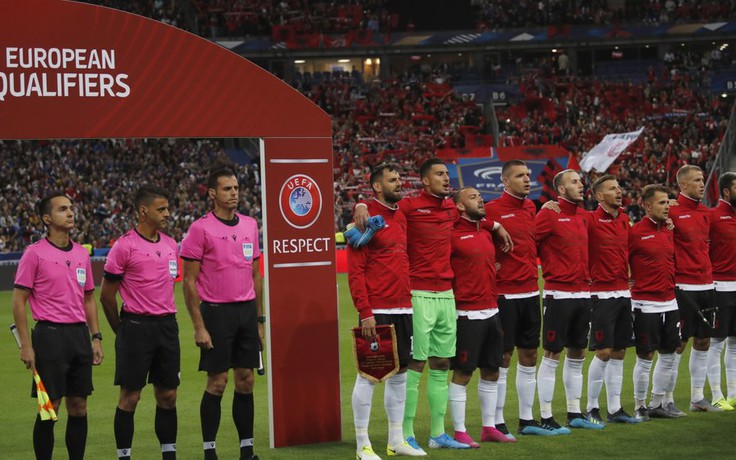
(438, 392)
(412, 396)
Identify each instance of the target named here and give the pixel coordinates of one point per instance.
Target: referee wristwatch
(261, 319)
(97, 335)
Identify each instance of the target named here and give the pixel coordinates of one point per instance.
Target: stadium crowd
(101, 177)
(405, 119)
(683, 120)
(166, 11)
(240, 18)
(494, 14)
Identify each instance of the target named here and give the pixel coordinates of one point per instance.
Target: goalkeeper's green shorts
(435, 324)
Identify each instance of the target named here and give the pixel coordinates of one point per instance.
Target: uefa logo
(300, 201)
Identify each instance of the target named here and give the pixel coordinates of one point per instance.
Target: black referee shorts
(63, 359)
(233, 328)
(566, 323)
(521, 321)
(611, 324)
(695, 306)
(147, 346)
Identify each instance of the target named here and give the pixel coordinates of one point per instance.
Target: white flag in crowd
(602, 155)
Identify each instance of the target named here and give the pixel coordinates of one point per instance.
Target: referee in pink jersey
(222, 290)
(142, 266)
(55, 278)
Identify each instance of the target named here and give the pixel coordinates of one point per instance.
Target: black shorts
(611, 324)
(63, 359)
(694, 306)
(566, 323)
(479, 344)
(147, 346)
(404, 330)
(657, 331)
(725, 325)
(521, 321)
(233, 328)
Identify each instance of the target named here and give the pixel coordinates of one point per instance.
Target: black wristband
(261, 319)
(97, 335)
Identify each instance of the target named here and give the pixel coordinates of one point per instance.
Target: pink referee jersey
(58, 279)
(147, 271)
(227, 253)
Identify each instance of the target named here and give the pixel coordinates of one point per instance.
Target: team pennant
(378, 359)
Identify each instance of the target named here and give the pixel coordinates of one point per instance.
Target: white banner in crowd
(602, 155)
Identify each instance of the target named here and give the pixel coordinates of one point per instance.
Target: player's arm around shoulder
(543, 223)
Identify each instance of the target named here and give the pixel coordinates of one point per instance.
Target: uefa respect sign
(300, 201)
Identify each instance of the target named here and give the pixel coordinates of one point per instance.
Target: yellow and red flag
(45, 408)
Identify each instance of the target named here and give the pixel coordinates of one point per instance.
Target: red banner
(377, 359)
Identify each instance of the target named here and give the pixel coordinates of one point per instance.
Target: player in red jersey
(611, 323)
(430, 217)
(723, 259)
(656, 316)
(562, 241)
(378, 274)
(694, 279)
(518, 289)
(479, 334)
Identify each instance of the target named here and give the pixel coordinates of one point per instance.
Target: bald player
(479, 334)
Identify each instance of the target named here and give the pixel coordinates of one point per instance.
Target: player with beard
(479, 335)
(611, 323)
(723, 258)
(562, 241)
(694, 279)
(378, 274)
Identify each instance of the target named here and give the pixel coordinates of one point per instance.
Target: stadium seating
(101, 177)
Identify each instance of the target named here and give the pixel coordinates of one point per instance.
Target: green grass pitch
(699, 435)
